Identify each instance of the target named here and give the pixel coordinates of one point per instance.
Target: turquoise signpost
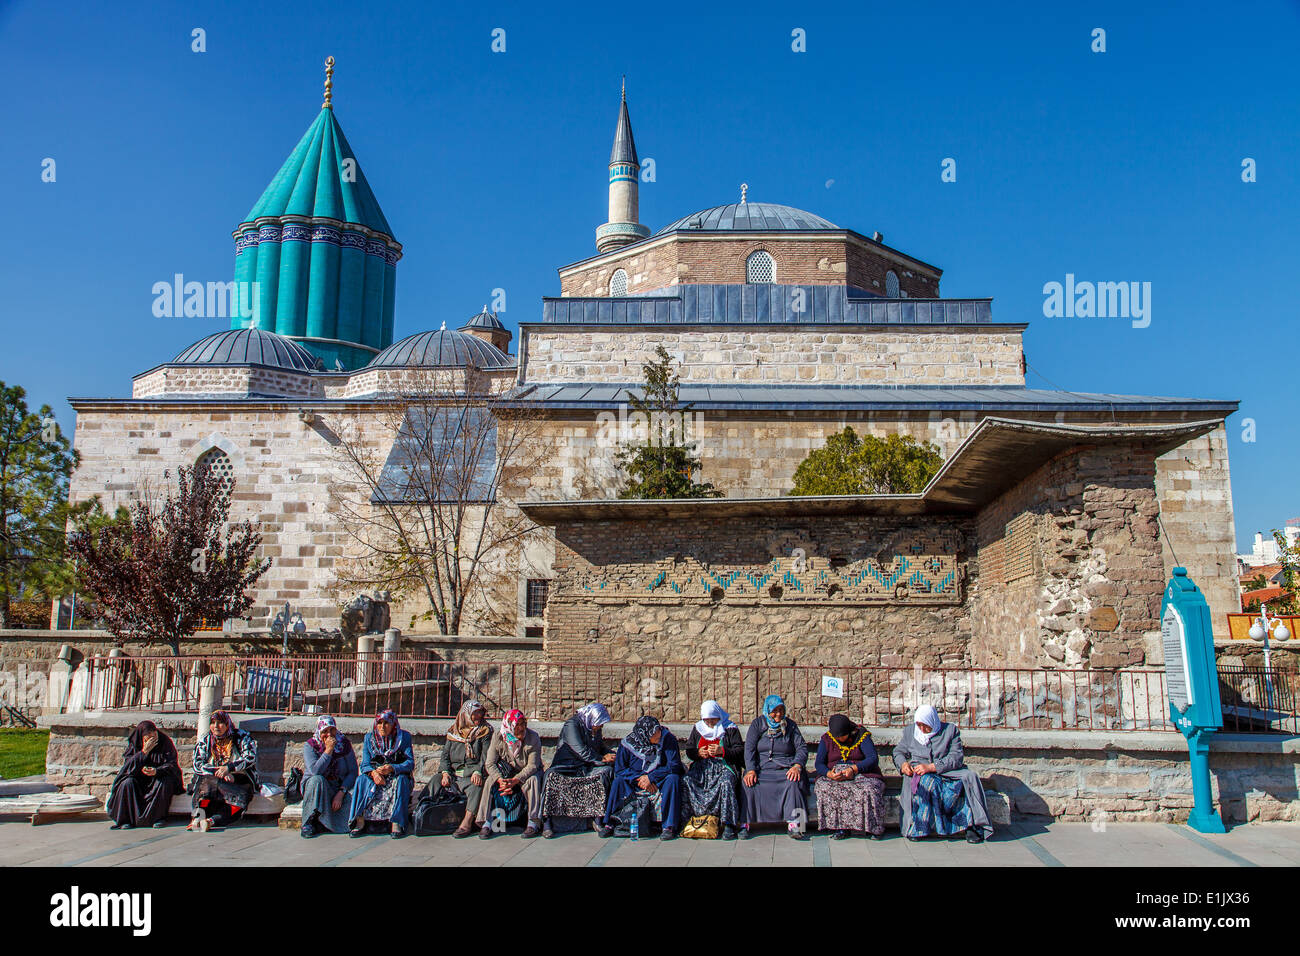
(1192, 679)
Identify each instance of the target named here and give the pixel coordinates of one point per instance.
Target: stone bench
(259, 806)
(998, 805)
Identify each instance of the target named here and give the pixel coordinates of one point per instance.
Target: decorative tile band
(906, 579)
(306, 232)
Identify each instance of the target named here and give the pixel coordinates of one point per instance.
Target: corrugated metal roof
(749, 217)
(248, 347)
(860, 397)
(725, 304)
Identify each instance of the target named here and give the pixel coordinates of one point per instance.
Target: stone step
(259, 806)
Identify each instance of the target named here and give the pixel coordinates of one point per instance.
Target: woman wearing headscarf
(577, 781)
(514, 774)
(150, 776)
(462, 763)
(717, 755)
(383, 791)
(329, 773)
(225, 773)
(941, 795)
(648, 761)
(775, 755)
(850, 787)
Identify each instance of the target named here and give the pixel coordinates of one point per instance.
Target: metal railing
(414, 685)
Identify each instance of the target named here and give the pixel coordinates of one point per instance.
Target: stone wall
(1070, 567)
(1069, 776)
(601, 565)
(773, 355)
(825, 259)
(754, 454)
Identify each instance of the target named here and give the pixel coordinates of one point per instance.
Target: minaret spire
(623, 226)
(329, 84)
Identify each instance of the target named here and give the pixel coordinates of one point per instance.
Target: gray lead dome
(742, 217)
(442, 348)
(249, 347)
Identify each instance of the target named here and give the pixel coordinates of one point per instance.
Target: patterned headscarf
(464, 730)
(223, 745)
(775, 728)
(387, 745)
(710, 709)
(509, 732)
(317, 744)
(638, 742)
(926, 714)
(593, 715)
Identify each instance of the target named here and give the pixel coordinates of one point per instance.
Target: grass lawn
(22, 752)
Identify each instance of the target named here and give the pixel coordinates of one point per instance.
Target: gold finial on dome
(329, 84)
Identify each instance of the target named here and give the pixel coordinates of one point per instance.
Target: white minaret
(623, 226)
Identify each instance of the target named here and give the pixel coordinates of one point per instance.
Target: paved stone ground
(92, 843)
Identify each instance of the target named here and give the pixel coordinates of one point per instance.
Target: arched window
(618, 283)
(216, 463)
(891, 285)
(760, 267)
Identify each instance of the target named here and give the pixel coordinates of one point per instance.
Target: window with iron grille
(216, 463)
(891, 285)
(618, 283)
(760, 268)
(536, 602)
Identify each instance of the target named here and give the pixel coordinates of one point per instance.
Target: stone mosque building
(1044, 540)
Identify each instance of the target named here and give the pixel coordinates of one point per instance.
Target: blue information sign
(1192, 679)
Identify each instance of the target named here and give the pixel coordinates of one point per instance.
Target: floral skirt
(857, 804)
(581, 797)
(381, 807)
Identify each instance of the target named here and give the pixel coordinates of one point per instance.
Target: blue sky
(491, 167)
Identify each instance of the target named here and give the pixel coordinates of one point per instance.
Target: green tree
(1289, 558)
(36, 461)
(849, 465)
(664, 464)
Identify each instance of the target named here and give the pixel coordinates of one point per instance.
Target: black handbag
(293, 786)
(440, 813)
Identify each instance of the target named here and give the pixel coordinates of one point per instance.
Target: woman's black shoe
(307, 830)
(605, 832)
(876, 836)
(744, 833)
(840, 835)
(357, 832)
(974, 836)
(729, 833)
(116, 826)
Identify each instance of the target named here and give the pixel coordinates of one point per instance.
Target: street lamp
(1259, 632)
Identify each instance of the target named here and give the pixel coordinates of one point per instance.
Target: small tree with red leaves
(171, 563)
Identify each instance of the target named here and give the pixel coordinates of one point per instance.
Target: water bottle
(636, 821)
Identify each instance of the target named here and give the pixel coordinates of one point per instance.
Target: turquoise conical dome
(321, 252)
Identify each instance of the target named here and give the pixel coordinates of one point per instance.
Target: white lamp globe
(1257, 631)
(1282, 633)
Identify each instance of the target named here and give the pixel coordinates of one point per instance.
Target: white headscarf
(710, 709)
(926, 714)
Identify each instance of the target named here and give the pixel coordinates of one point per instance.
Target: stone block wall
(825, 259)
(1070, 564)
(779, 356)
(718, 627)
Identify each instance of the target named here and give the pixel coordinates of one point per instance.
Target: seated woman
(462, 761)
(850, 787)
(383, 791)
(329, 774)
(775, 754)
(941, 795)
(649, 761)
(577, 782)
(717, 755)
(150, 776)
(225, 773)
(514, 775)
